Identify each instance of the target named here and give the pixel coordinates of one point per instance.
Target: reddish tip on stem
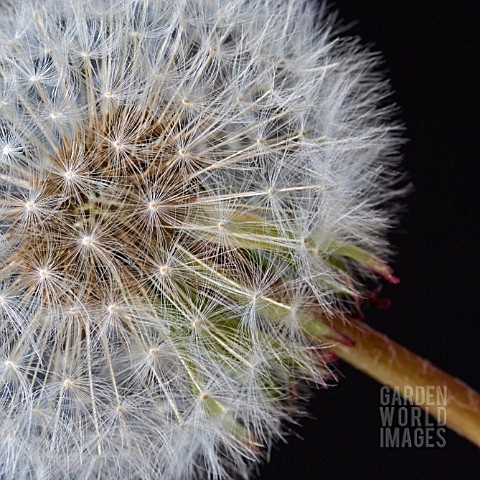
(385, 271)
(342, 338)
(325, 356)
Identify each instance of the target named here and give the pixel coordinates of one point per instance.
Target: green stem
(403, 371)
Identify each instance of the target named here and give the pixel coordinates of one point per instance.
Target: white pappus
(180, 181)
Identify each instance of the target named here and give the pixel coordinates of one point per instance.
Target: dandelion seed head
(179, 183)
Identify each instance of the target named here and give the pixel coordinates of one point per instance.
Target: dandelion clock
(194, 196)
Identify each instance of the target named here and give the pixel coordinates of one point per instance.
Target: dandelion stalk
(402, 370)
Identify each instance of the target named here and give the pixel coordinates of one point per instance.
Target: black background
(432, 56)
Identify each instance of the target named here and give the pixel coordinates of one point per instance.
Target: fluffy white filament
(179, 181)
